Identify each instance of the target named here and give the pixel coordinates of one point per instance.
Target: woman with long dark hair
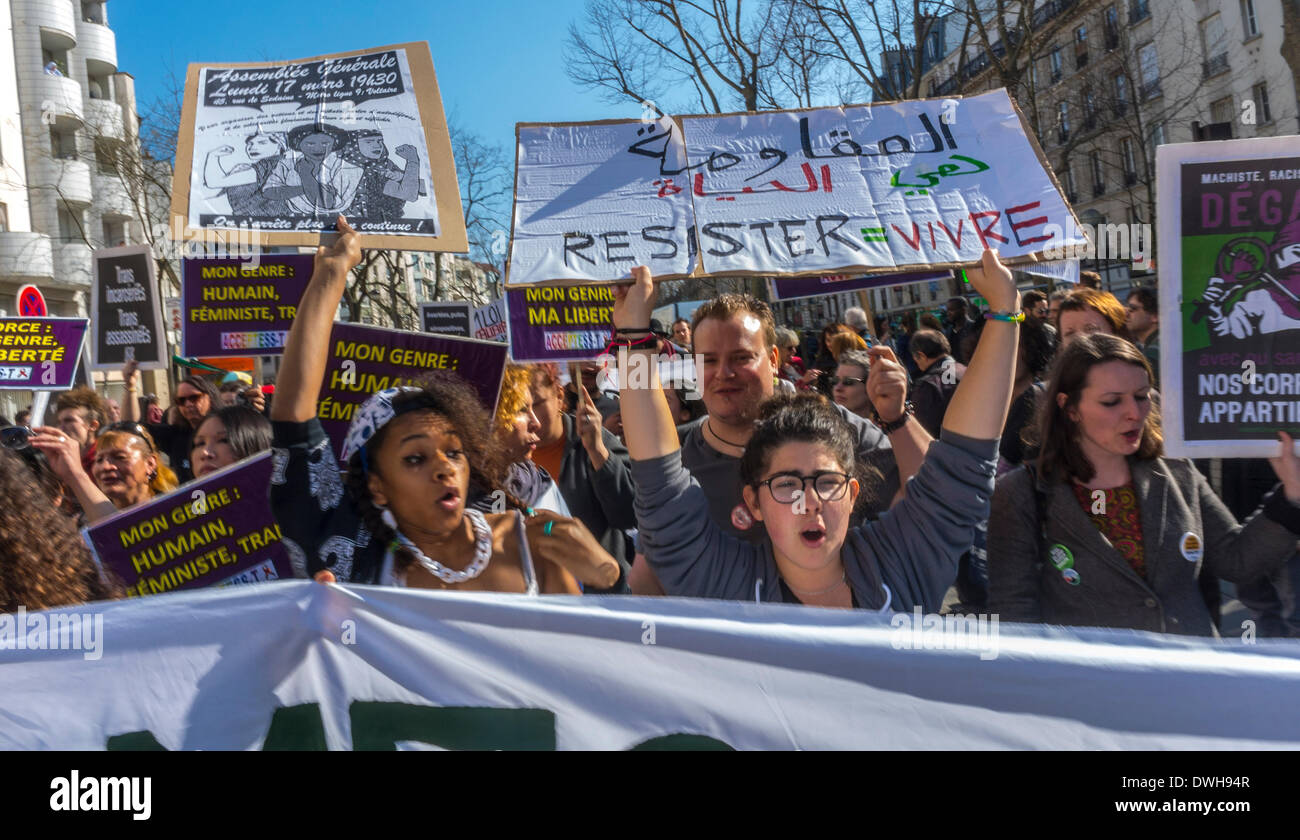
(414, 455)
(1103, 529)
(228, 435)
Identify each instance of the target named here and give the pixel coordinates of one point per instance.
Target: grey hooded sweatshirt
(905, 559)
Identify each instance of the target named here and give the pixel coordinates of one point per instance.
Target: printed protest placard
(125, 309)
(233, 308)
(40, 354)
(450, 318)
(559, 323)
(1229, 267)
(216, 531)
(923, 184)
(282, 148)
(363, 360)
(489, 321)
(790, 288)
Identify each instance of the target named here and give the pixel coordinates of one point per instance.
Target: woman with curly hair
(516, 429)
(43, 562)
(413, 457)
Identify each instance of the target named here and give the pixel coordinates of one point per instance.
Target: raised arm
(64, 457)
(215, 177)
(979, 407)
(887, 389)
(647, 420)
(130, 378)
(307, 348)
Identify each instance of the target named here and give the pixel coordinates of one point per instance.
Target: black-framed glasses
(846, 381)
(15, 437)
(131, 428)
(787, 487)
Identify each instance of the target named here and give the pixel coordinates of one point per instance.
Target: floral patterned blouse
(1118, 517)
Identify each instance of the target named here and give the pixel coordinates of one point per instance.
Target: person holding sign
(797, 472)
(414, 455)
(226, 436)
(1104, 530)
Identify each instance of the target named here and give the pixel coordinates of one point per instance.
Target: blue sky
(498, 61)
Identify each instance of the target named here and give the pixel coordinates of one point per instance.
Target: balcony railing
(1150, 90)
(1138, 12)
(1215, 66)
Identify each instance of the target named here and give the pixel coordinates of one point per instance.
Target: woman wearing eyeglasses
(798, 475)
(849, 384)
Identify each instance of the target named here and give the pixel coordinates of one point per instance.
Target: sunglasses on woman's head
(131, 428)
(192, 398)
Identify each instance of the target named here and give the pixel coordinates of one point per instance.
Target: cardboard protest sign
(216, 531)
(489, 321)
(923, 184)
(363, 360)
(450, 318)
(40, 354)
(233, 308)
(282, 148)
(790, 288)
(125, 309)
(1229, 267)
(559, 323)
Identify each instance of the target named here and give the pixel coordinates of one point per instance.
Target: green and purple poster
(1229, 265)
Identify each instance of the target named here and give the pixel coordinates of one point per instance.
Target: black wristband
(890, 428)
(632, 330)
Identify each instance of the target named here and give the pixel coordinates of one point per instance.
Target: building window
(1130, 161)
(1138, 10)
(1055, 59)
(1263, 116)
(1150, 68)
(4, 217)
(1080, 47)
(1098, 173)
(1248, 23)
(1221, 110)
(933, 41)
(114, 233)
(1214, 41)
(1157, 136)
(70, 227)
(1071, 191)
(1063, 122)
(1110, 21)
(63, 146)
(1121, 94)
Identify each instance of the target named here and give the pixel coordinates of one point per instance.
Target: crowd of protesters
(1011, 456)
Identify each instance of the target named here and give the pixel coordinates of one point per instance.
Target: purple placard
(230, 310)
(789, 288)
(559, 323)
(40, 354)
(185, 540)
(363, 360)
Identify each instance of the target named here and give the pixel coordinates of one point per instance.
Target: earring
(388, 519)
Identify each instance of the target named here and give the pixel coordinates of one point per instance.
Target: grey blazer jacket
(1175, 500)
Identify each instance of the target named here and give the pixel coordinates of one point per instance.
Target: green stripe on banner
(873, 234)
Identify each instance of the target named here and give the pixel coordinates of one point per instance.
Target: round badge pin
(1070, 576)
(1191, 547)
(1061, 557)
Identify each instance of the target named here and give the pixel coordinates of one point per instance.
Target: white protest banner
(1229, 268)
(863, 188)
(300, 665)
(273, 152)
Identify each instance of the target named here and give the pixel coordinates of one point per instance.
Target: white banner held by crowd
(302, 665)
(908, 185)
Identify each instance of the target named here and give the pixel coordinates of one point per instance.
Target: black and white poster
(126, 317)
(285, 148)
(451, 318)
